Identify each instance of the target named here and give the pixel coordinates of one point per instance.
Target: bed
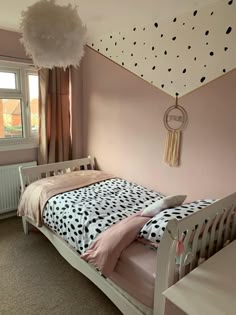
(200, 235)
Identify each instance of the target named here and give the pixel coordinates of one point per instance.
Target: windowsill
(19, 144)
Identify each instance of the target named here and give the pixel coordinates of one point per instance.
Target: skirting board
(7, 215)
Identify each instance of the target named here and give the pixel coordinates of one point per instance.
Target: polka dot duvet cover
(80, 215)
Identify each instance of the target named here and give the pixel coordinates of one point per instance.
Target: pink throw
(108, 246)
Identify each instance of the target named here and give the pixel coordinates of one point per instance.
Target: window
(19, 116)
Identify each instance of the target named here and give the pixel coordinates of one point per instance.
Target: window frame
(21, 92)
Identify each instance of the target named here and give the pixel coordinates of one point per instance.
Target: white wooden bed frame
(219, 230)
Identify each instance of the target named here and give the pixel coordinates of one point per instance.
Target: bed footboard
(203, 234)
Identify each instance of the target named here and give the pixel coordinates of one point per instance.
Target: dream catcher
(175, 120)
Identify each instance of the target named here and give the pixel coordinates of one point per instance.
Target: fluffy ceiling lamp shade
(53, 35)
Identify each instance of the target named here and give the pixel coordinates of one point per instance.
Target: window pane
(7, 80)
(34, 107)
(10, 118)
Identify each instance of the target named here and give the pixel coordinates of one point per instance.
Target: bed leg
(159, 308)
(25, 225)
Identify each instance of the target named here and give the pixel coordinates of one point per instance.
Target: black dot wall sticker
(179, 53)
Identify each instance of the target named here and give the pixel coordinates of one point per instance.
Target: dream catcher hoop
(175, 120)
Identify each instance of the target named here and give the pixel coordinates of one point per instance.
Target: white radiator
(10, 186)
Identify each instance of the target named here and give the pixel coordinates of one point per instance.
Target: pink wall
(123, 129)
(10, 46)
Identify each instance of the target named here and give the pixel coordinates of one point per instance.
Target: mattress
(135, 272)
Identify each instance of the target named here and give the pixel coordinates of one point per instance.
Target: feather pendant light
(53, 35)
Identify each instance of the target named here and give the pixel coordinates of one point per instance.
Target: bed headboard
(32, 173)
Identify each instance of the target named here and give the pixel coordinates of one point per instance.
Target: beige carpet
(35, 279)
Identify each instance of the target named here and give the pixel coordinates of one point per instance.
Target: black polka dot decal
(184, 51)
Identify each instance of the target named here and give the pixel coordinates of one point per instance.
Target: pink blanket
(108, 246)
(37, 194)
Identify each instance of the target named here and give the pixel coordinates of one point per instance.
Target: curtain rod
(16, 58)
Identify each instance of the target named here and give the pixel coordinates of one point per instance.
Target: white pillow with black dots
(154, 229)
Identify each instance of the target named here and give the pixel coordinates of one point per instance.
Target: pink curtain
(54, 111)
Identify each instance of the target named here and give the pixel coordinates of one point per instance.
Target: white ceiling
(106, 16)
